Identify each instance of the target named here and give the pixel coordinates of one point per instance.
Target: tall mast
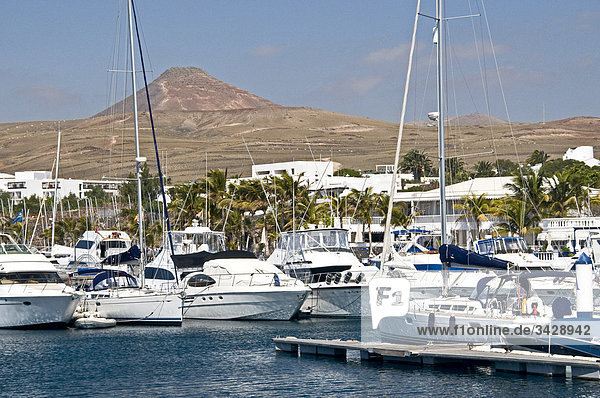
(55, 188)
(138, 159)
(441, 148)
(441, 117)
(388, 219)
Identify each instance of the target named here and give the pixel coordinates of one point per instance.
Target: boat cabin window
(116, 244)
(200, 280)
(29, 277)
(84, 244)
(485, 247)
(158, 273)
(432, 242)
(512, 245)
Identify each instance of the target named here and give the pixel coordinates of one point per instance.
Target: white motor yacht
(322, 259)
(189, 246)
(32, 294)
(242, 288)
(98, 246)
(223, 284)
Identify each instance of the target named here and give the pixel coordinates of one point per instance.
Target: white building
(24, 184)
(312, 173)
(584, 154)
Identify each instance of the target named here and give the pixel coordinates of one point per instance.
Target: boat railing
(255, 279)
(545, 256)
(24, 286)
(334, 278)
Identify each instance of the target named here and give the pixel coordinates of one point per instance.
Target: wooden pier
(524, 362)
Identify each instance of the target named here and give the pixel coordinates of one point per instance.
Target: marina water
(204, 358)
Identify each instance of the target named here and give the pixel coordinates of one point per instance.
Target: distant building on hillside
(584, 154)
(24, 184)
(313, 173)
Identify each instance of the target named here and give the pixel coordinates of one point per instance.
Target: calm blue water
(232, 359)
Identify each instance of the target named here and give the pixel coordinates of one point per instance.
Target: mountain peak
(191, 89)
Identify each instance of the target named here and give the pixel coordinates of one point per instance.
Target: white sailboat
(499, 308)
(322, 258)
(116, 294)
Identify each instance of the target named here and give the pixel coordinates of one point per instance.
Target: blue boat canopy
(113, 278)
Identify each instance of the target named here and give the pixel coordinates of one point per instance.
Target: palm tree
(216, 181)
(400, 217)
(363, 205)
(187, 201)
(70, 228)
(484, 169)
(530, 189)
(474, 207)
(417, 163)
(565, 190)
(537, 157)
(520, 217)
(505, 167)
(455, 167)
(528, 202)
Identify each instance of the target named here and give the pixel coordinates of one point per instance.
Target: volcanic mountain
(190, 89)
(203, 123)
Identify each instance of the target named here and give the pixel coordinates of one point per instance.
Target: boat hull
(137, 307)
(251, 303)
(336, 301)
(37, 311)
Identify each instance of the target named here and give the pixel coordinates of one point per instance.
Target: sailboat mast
(138, 159)
(55, 188)
(441, 118)
(388, 218)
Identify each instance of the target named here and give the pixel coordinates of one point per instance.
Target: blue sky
(343, 56)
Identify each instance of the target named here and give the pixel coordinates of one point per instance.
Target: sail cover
(459, 257)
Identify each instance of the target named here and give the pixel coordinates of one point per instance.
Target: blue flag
(18, 218)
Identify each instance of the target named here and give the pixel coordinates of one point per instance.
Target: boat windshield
(13, 248)
(431, 242)
(501, 246)
(84, 244)
(10, 278)
(318, 240)
(191, 243)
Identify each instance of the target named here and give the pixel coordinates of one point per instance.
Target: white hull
(335, 301)
(135, 306)
(405, 329)
(37, 309)
(254, 302)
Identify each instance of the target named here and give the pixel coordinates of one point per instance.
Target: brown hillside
(203, 122)
(103, 146)
(189, 89)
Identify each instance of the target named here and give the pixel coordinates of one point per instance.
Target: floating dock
(524, 362)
